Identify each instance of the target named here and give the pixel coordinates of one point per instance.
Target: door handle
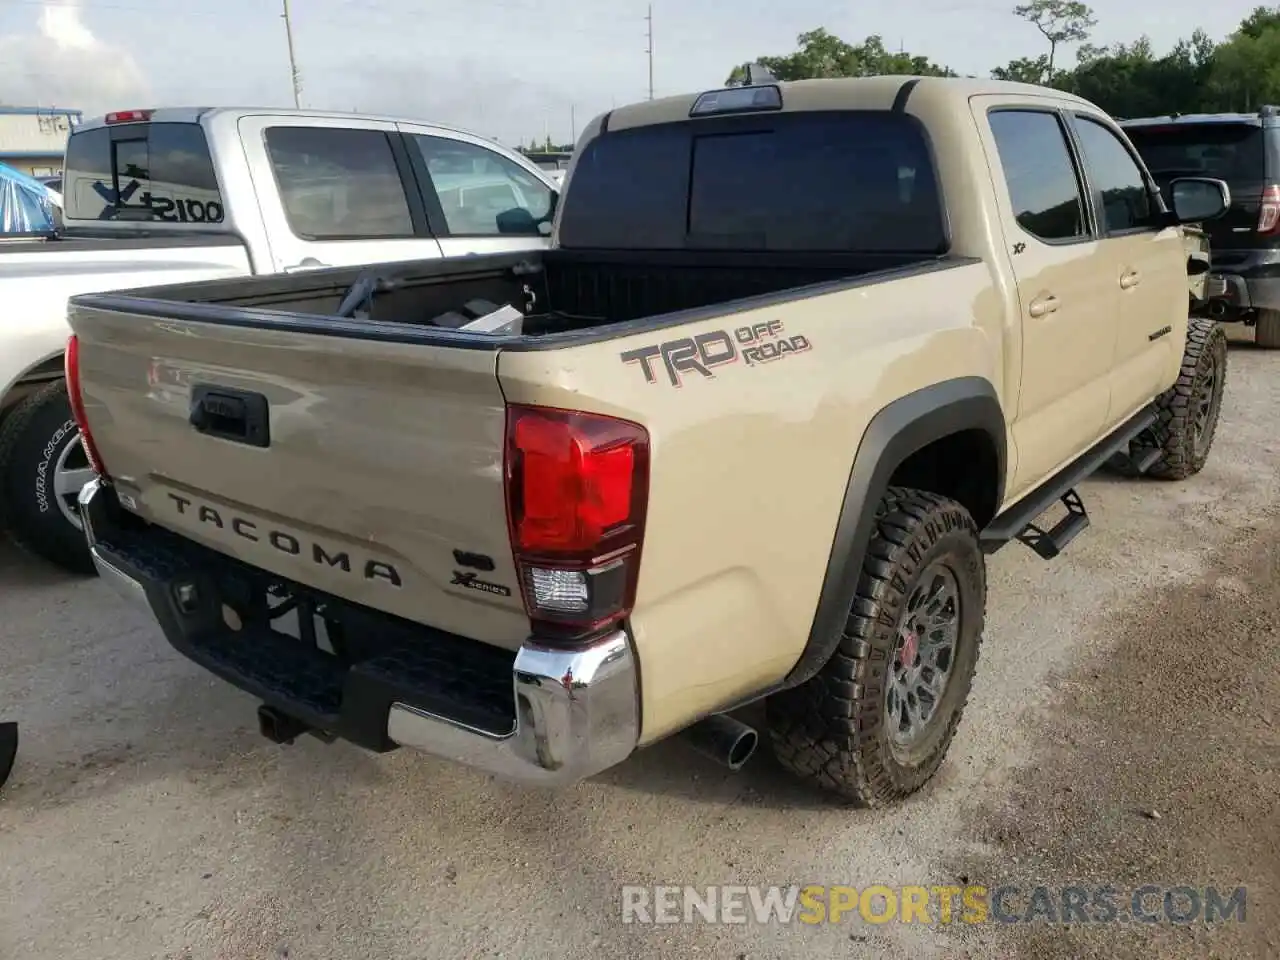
(1129, 280)
(1042, 306)
(307, 263)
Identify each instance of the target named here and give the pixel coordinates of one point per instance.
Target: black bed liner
(569, 296)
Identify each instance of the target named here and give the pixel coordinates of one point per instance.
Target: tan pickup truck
(799, 356)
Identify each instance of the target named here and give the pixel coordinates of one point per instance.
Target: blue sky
(510, 69)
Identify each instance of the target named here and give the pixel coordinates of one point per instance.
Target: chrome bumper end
(577, 713)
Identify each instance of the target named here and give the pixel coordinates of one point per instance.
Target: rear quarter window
(801, 182)
(142, 171)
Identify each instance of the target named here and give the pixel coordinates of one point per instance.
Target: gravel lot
(1136, 674)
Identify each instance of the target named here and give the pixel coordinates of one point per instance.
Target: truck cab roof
(844, 93)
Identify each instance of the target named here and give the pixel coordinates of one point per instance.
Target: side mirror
(1198, 198)
(517, 220)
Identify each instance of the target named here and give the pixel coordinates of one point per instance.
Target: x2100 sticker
(754, 344)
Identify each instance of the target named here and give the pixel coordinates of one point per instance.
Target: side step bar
(1018, 522)
(1048, 544)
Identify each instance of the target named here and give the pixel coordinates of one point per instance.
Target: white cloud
(63, 63)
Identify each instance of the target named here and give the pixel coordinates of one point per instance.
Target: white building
(32, 139)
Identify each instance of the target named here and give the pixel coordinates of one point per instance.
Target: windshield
(842, 181)
(1226, 151)
(141, 171)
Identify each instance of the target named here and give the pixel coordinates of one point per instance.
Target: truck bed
(362, 455)
(562, 292)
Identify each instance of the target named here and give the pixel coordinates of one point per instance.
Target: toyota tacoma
(799, 356)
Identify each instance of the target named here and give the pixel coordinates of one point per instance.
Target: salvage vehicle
(1243, 150)
(154, 196)
(799, 357)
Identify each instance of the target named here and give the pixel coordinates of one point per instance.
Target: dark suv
(1244, 150)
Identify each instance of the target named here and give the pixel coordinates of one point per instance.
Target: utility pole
(649, 51)
(573, 123)
(293, 62)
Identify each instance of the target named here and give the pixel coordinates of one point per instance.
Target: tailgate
(356, 467)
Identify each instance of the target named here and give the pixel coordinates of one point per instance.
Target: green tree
(1060, 21)
(1260, 21)
(1246, 68)
(823, 54)
(1129, 80)
(1024, 69)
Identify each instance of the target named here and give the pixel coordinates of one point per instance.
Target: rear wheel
(1266, 331)
(876, 722)
(42, 468)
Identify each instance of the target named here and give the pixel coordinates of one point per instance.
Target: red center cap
(910, 644)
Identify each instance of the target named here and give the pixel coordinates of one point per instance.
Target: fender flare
(904, 426)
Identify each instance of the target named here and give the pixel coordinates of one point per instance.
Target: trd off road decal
(754, 344)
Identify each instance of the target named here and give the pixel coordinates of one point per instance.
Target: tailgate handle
(237, 415)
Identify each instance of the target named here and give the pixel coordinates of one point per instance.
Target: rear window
(141, 171)
(1226, 151)
(819, 182)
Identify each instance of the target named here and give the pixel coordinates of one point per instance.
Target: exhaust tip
(742, 750)
(727, 741)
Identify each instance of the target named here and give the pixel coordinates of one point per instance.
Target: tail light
(128, 116)
(1269, 214)
(76, 397)
(577, 487)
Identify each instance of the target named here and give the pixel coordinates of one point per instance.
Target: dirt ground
(1124, 729)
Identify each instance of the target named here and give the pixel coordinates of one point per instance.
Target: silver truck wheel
(877, 721)
(42, 468)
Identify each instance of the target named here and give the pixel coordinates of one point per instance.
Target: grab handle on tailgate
(237, 415)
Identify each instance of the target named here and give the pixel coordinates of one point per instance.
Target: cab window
(482, 193)
(1038, 170)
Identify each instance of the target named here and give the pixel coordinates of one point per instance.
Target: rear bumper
(1244, 293)
(544, 716)
(1245, 279)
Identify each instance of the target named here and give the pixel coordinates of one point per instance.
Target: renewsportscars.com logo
(968, 904)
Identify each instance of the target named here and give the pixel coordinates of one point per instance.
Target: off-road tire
(1175, 429)
(31, 437)
(832, 730)
(1266, 329)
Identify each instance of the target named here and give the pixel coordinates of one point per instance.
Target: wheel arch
(898, 444)
(50, 368)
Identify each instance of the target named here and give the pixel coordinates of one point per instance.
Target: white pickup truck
(153, 197)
